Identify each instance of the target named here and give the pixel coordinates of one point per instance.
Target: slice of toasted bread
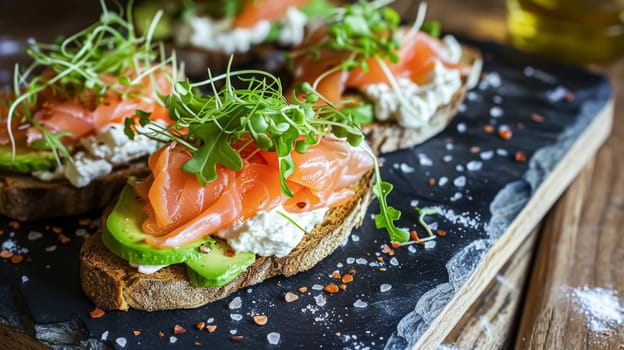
(112, 284)
(23, 197)
(389, 136)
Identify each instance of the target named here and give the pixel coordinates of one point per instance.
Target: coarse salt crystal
(459, 168)
(34, 235)
(461, 128)
(317, 287)
(430, 244)
(236, 303)
(424, 160)
(350, 260)
(406, 169)
(236, 317)
(355, 238)
(457, 196)
(273, 338)
(474, 165)
(502, 152)
(443, 180)
(361, 304)
(233, 331)
(121, 341)
(496, 112)
(411, 248)
(104, 335)
(173, 339)
(385, 286)
(361, 261)
(50, 248)
(414, 202)
(460, 181)
(394, 261)
(486, 155)
(320, 300)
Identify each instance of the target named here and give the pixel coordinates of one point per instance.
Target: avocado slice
(26, 160)
(216, 268)
(124, 237)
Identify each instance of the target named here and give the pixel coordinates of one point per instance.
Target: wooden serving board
(488, 200)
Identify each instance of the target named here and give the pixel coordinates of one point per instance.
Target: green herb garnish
(365, 29)
(76, 64)
(257, 114)
(387, 215)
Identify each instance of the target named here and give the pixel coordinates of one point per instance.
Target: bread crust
(112, 284)
(384, 137)
(25, 198)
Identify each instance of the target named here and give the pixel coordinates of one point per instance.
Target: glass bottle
(576, 31)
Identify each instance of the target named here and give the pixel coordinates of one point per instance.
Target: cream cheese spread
(219, 35)
(269, 233)
(422, 100)
(102, 152)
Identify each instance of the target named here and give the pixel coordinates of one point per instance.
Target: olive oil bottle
(574, 31)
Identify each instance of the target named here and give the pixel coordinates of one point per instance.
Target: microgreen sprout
(78, 63)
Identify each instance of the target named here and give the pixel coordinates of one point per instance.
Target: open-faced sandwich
(249, 29)
(251, 187)
(403, 84)
(63, 149)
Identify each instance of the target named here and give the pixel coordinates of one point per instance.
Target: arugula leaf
(215, 149)
(387, 215)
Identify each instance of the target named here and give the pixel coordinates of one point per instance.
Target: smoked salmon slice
(417, 57)
(83, 115)
(322, 179)
(264, 10)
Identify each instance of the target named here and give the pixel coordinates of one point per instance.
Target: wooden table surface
(577, 245)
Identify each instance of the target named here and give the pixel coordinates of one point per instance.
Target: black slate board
(478, 192)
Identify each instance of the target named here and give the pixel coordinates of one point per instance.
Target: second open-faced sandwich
(63, 150)
(402, 83)
(206, 32)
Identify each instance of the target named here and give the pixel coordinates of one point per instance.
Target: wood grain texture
(504, 248)
(588, 220)
(581, 247)
(490, 321)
